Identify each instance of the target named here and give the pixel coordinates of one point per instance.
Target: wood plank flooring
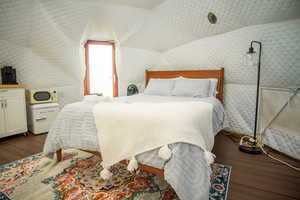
(19, 146)
(257, 177)
(254, 177)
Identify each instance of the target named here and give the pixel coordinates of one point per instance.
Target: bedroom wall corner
(131, 65)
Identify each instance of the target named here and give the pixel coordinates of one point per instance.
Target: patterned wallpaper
(280, 69)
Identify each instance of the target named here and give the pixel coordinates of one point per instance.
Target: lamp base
(250, 149)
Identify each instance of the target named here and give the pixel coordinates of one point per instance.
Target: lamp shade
(251, 59)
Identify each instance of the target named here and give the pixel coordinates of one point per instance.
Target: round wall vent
(212, 18)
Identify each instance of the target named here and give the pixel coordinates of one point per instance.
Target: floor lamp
(251, 145)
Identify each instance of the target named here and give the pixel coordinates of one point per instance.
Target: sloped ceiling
(56, 29)
(156, 25)
(147, 4)
(176, 22)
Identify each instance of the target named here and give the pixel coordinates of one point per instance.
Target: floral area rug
(78, 177)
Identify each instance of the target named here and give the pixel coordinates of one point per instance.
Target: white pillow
(161, 87)
(191, 87)
(213, 87)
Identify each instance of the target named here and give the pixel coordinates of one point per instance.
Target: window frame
(115, 79)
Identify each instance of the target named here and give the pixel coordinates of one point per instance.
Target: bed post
(59, 155)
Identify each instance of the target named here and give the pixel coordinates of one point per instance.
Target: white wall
(131, 65)
(280, 68)
(34, 43)
(37, 72)
(280, 59)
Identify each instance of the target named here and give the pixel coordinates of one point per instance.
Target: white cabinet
(12, 112)
(41, 116)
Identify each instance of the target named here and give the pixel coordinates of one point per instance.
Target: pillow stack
(191, 87)
(184, 87)
(162, 87)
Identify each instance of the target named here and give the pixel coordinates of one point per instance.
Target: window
(100, 74)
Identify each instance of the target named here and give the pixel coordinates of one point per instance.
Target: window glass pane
(100, 65)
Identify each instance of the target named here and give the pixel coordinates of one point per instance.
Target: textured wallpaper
(132, 64)
(280, 68)
(37, 72)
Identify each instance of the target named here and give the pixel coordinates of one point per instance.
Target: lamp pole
(258, 86)
(254, 148)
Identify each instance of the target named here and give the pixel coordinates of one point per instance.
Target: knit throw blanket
(127, 129)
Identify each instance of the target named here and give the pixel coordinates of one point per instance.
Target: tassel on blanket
(105, 174)
(164, 152)
(132, 165)
(210, 157)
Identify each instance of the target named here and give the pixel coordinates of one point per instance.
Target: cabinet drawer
(12, 92)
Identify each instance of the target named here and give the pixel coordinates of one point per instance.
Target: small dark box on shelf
(8, 74)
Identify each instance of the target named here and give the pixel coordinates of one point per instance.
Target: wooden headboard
(205, 73)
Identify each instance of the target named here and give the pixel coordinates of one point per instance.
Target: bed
(75, 128)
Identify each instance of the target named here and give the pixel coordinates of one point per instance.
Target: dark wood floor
(257, 176)
(19, 146)
(254, 177)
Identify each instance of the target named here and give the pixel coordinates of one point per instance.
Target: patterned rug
(77, 177)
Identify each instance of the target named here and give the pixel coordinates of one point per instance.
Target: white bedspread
(186, 171)
(127, 129)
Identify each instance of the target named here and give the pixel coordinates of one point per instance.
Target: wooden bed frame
(205, 73)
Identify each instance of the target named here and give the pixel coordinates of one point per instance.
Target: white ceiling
(160, 25)
(146, 4)
(176, 22)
